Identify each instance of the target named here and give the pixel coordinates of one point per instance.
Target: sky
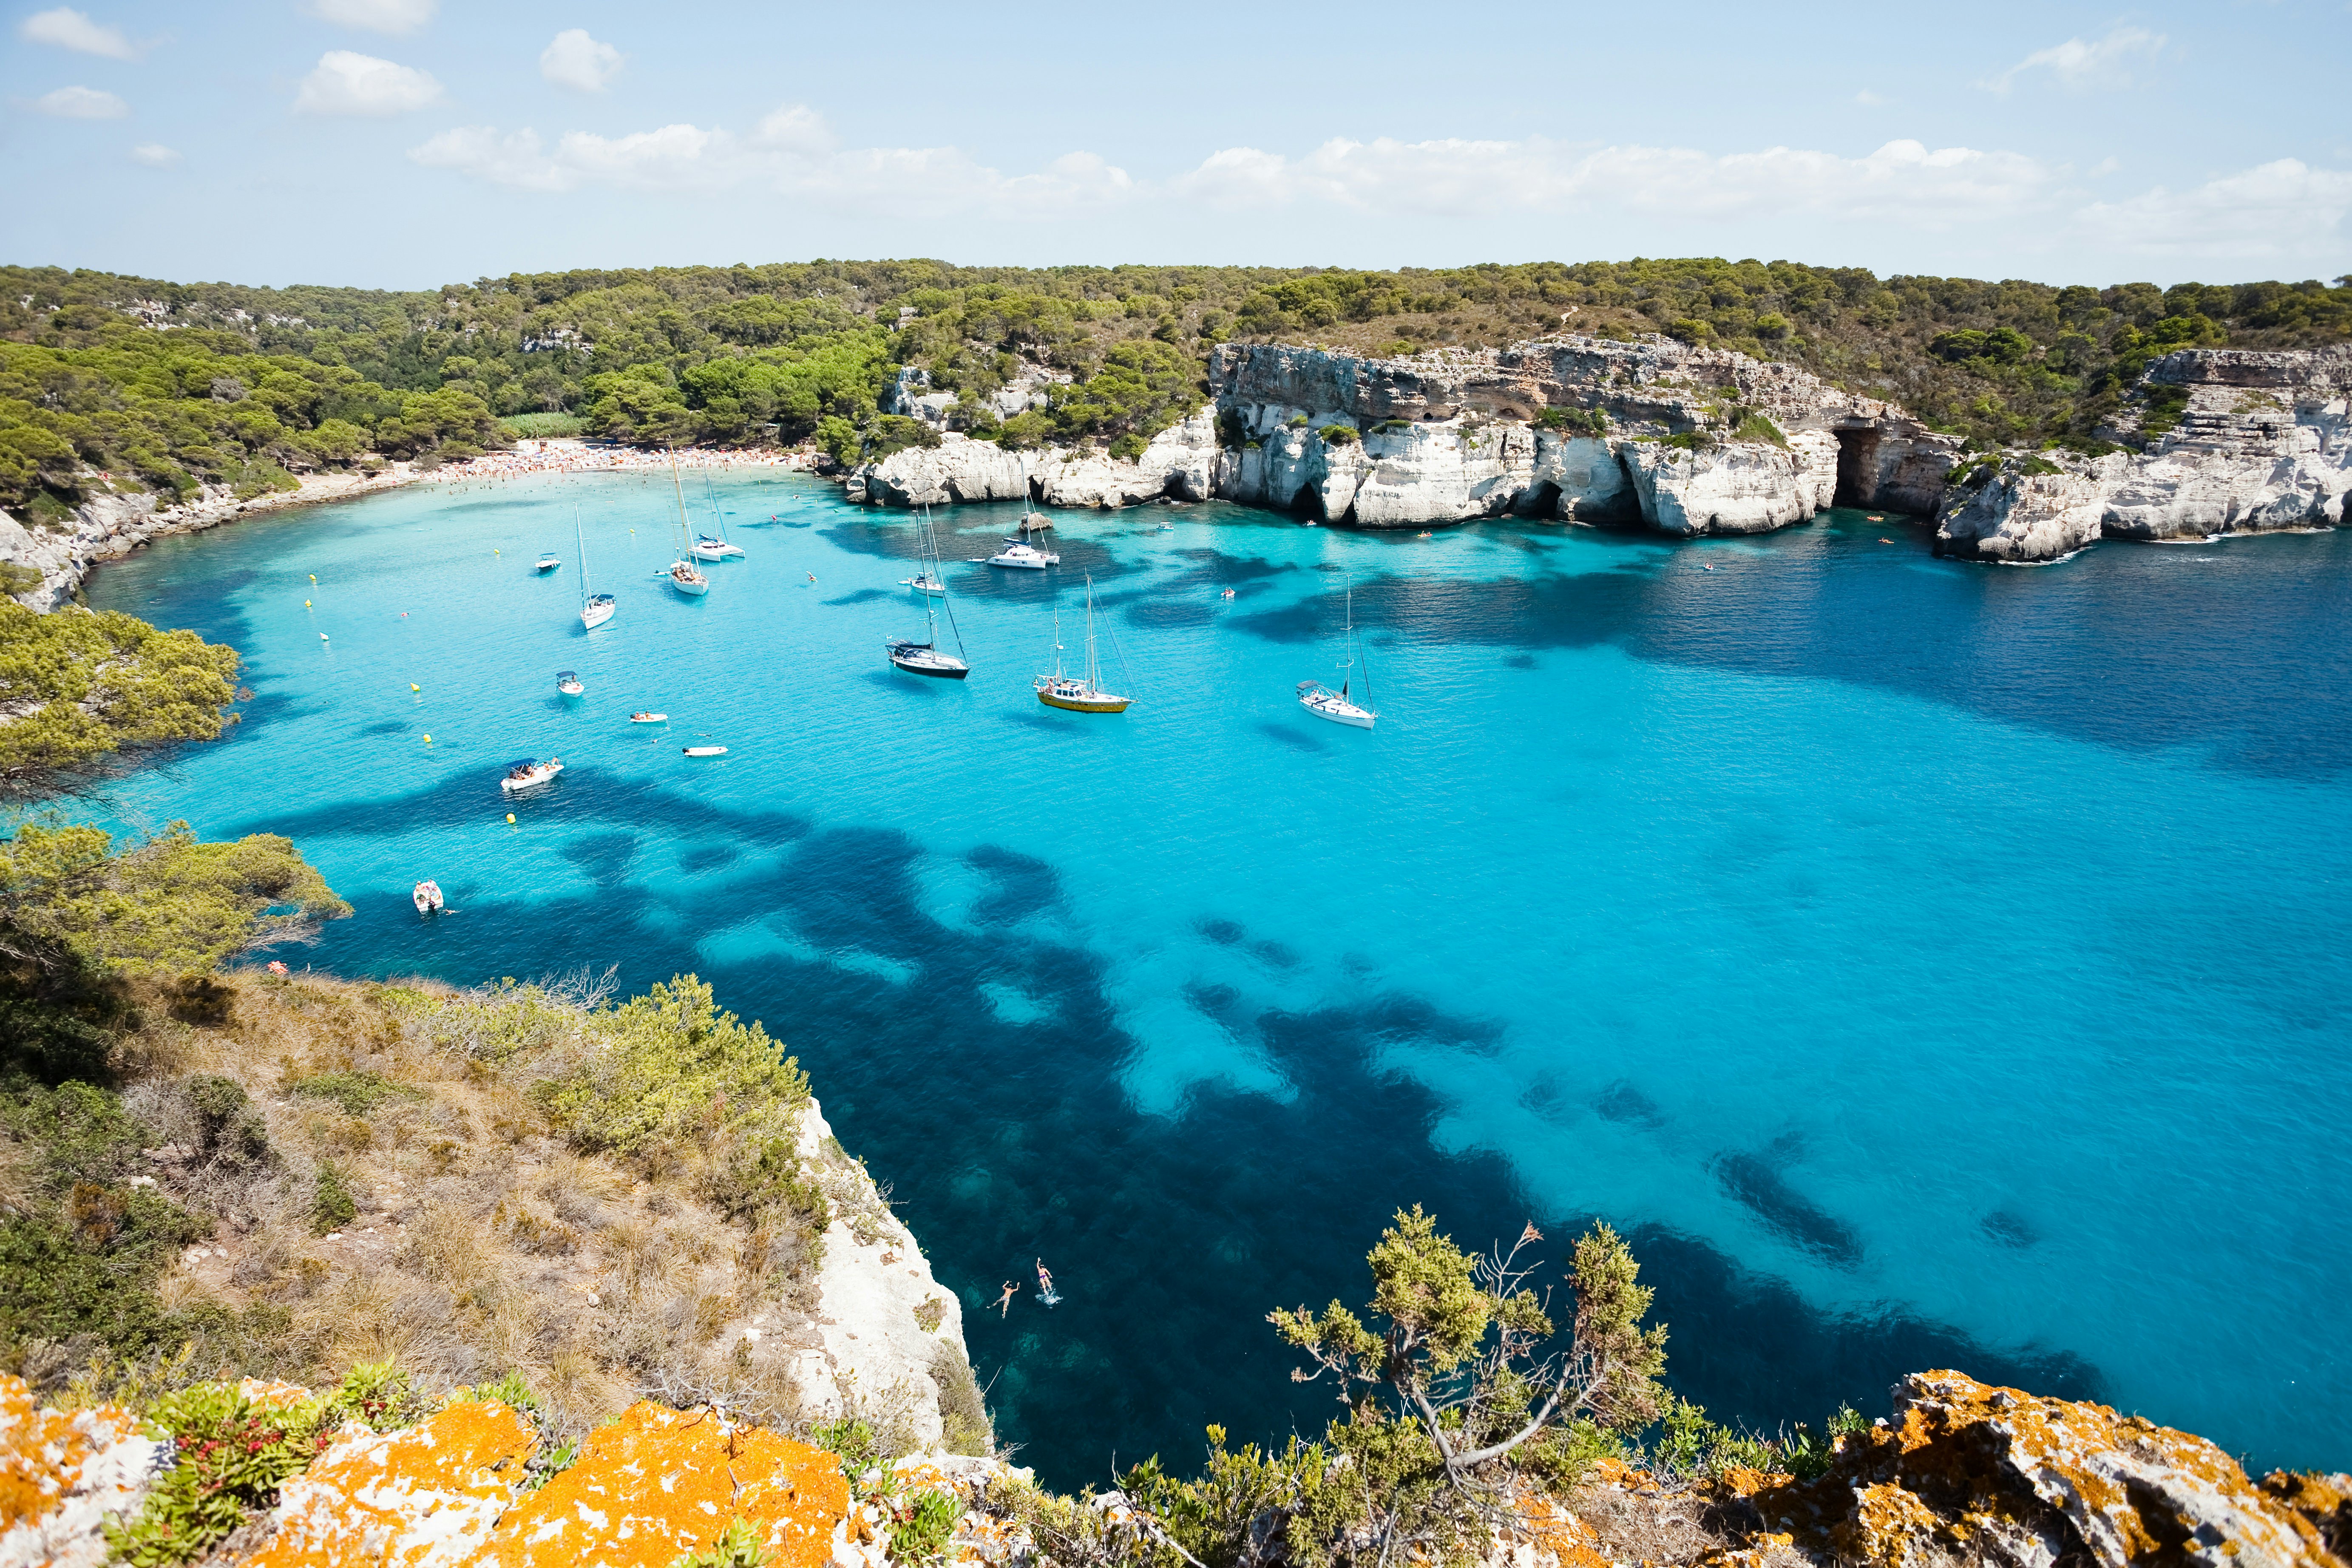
(407, 144)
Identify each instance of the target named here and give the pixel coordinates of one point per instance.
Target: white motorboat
(548, 562)
(529, 775)
(1341, 707)
(595, 609)
(1079, 694)
(568, 683)
(427, 897)
(1016, 553)
(704, 750)
(648, 718)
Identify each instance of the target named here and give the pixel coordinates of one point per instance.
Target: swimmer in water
(1044, 1281)
(1004, 1302)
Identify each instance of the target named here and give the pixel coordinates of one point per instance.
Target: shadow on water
(1170, 1237)
(2009, 644)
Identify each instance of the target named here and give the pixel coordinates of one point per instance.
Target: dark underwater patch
(1224, 932)
(1620, 1101)
(2010, 1228)
(1786, 1211)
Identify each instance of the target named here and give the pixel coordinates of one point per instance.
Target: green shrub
(1129, 447)
(1297, 422)
(2162, 408)
(922, 1524)
(331, 1203)
(1757, 427)
(851, 1441)
(542, 427)
(357, 1092)
(738, 1546)
(1591, 422)
(1338, 435)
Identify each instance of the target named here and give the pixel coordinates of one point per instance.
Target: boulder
(1965, 1472)
(64, 1472)
(1740, 487)
(2031, 513)
(429, 1496)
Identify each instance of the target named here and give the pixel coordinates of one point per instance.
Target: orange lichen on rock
(1551, 1527)
(62, 1472)
(1965, 1465)
(658, 1483)
(425, 1497)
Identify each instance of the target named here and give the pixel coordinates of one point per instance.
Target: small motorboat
(427, 897)
(568, 683)
(704, 750)
(924, 583)
(529, 775)
(648, 718)
(548, 562)
(1016, 553)
(709, 547)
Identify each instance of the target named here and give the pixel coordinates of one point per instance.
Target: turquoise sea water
(1927, 964)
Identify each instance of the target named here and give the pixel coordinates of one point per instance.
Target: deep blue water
(1927, 964)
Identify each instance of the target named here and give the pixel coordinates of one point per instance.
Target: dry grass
(482, 1243)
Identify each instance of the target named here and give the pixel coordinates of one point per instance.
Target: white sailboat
(1080, 695)
(714, 546)
(683, 574)
(595, 609)
(927, 658)
(1340, 706)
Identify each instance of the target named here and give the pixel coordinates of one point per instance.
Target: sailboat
(595, 609)
(683, 574)
(927, 658)
(1080, 695)
(713, 546)
(1338, 706)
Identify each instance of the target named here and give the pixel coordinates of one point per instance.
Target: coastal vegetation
(76, 686)
(110, 382)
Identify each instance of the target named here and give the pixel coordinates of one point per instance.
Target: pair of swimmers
(1044, 1292)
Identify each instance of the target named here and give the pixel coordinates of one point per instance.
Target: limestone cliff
(1684, 439)
(2261, 442)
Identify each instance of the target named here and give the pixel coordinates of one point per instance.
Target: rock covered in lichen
(426, 1497)
(63, 1473)
(1968, 1472)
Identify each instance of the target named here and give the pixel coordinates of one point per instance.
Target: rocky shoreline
(1685, 441)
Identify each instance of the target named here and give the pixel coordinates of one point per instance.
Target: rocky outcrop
(1650, 436)
(2261, 442)
(1454, 435)
(64, 1473)
(1964, 1472)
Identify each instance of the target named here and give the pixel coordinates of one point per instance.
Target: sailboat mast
(1094, 670)
(684, 540)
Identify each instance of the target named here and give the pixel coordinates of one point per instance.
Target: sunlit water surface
(1928, 966)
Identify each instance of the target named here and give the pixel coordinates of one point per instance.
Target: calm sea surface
(1928, 966)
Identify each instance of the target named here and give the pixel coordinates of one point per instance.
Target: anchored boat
(529, 775)
(684, 575)
(1079, 694)
(927, 658)
(595, 609)
(427, 897)
(1338, 706)
(548, 560)
(568, 683)
(1016, 553)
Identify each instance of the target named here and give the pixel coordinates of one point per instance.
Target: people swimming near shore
(1004, 1302)
(1045, 1284)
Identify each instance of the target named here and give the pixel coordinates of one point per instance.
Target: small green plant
(1340, 434)
(1593, 422)
(1757, 427)
(922, 1523)
(929, 1314)
(2039, 466)
(1129, 448)
(232, 1458)
(851, 1441)
(1298, 422)
(331, 1203)
(377, 1394)
(738, 1546)
(2165, 406)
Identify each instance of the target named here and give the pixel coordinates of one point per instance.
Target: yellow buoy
(314, 576)
(413, 687)
(509, 816)
(428, 740)
(322, 636)
(305, 604)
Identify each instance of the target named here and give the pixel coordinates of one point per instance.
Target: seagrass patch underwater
(1927, 964)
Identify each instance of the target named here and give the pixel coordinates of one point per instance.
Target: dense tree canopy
(162, 384)
(76, 686)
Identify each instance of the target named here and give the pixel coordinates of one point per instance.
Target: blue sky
(404, 143)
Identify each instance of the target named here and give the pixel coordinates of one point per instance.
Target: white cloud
(575, 59)
(791, 152)
(343, 82)
(79, 103)
(154, 154)
(393, 16)
(2282, 211)
(1902, 180)
(1869, 99)
(2102, 63)
(69, 29)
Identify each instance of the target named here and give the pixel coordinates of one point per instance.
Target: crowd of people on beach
(558, 455)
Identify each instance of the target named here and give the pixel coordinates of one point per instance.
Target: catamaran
(1338, 706)
(927, 658)
(1016, 553)
(1080, 695)
(595, 609)
(684, 575)
(713, 546)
